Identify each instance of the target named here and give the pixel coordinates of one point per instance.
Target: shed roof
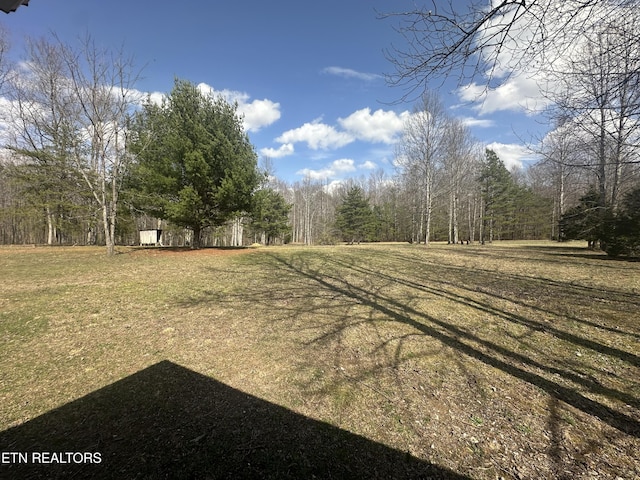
(12, 5)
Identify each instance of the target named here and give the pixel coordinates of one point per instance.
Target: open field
(373, 361)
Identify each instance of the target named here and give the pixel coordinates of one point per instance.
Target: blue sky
(308, 76)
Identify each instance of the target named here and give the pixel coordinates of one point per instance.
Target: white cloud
(337, 167)
(8, 127)
(512, 154)
(317, 135)
(228, 95)
(477, 122)
(540, 34)
(283, 151)
(524, 67)
(378, 127)
(257, 114)
(140, 97)
(519, 93)
(349, 73)
(316, 174)
(343, 165)
(368, 165)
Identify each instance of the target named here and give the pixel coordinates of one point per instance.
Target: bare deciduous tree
(560, 163)
(42, 112)
(490, 39)
(458, 162)
(420, 156)
(103, 84)
(72, 106)
(307, 204)
(600, 96)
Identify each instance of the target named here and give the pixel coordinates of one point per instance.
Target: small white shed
(151, 237)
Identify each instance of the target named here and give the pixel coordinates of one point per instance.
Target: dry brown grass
(512, 360)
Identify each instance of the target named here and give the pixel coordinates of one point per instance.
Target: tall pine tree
(195, 165)
(354, 217)
(270, 215)
(497, 187)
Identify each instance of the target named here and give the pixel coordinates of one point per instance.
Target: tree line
(485, 202)
(88, 159)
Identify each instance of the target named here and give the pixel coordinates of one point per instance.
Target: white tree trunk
(51, 229)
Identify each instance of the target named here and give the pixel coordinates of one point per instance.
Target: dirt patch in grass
(510, 360)
(186, 251)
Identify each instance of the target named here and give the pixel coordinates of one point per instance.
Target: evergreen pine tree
(354, 217)
(195, 164)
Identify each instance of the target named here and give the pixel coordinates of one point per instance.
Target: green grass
(530, 349)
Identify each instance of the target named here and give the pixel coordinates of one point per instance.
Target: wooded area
(89, 160)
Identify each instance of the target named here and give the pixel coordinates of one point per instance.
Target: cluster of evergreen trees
(615, 231)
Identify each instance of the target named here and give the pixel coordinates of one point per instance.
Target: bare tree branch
(489, 39)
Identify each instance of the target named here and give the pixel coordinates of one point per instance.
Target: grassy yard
(514, 360)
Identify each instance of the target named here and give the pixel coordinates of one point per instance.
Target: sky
(309, 77)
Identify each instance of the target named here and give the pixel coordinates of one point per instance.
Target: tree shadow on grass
(169, 422)
(579, 252)
(575, 294)
(473, 346)
(450, 277)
